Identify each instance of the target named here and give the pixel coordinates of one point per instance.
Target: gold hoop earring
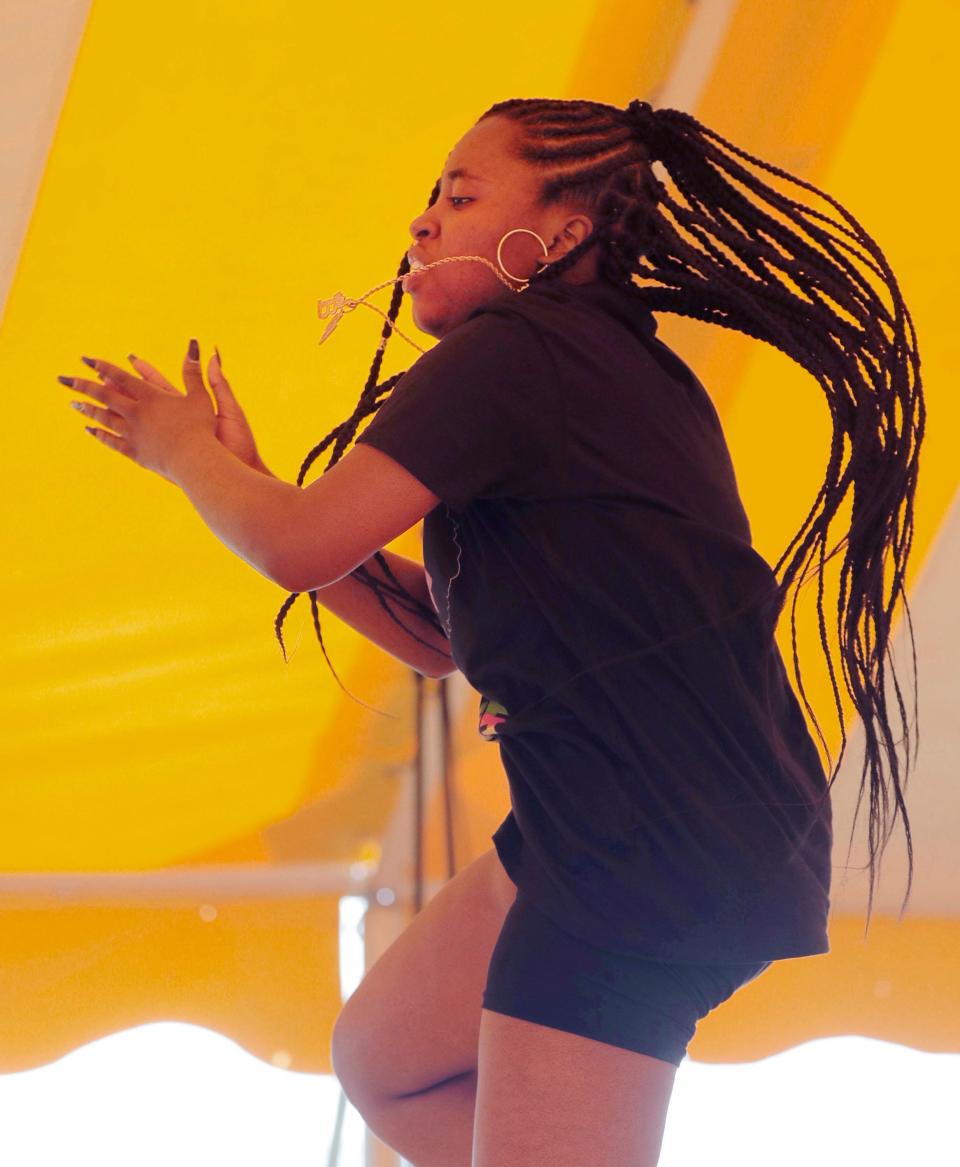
(527, 231)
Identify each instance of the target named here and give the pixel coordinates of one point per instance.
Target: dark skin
(482, 211)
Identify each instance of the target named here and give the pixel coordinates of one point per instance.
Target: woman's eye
(460, 199)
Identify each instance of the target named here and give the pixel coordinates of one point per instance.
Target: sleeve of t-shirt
(478, 415)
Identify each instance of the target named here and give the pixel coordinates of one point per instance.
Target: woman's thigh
(414, 1019)
(550, 1098)
(579, 1045)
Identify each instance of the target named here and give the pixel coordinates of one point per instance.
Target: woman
(588, 566)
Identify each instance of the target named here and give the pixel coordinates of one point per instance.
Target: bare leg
(549, 1098)
(431, 1128)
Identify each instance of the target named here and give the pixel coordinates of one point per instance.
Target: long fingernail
(219, 362)
(89, 361)
(66, 381)
(131, 357)
(193, 352)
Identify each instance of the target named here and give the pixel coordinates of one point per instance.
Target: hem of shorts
(540, 1017)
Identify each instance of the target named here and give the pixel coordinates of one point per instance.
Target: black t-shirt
(591, 561)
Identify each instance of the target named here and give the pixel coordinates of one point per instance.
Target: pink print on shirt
(492, 713)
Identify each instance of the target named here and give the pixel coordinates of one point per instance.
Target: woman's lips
(411, 279)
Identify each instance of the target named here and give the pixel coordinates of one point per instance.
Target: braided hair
(721, 255)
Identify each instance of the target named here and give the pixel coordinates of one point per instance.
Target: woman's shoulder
(497, 333)
(537, 331)
(595, 312)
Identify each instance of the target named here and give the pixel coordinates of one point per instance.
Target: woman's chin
(437, 314)
(424, 320)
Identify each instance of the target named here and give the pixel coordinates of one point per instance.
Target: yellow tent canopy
(180, 810)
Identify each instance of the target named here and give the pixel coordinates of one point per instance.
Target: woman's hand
(232, 428)
(152, 424)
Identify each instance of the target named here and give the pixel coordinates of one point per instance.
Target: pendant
(333, 307)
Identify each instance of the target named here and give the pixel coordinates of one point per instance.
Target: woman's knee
(414, 1019)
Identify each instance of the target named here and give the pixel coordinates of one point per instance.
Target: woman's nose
(420, 226)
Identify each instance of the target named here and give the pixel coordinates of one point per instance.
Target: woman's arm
(249, 510)
(358, 606)
(281, 530)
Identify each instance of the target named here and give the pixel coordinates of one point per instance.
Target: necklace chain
(338, 304)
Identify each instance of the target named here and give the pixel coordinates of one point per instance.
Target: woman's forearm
(357, 605)
(207, 476)
(249, 509)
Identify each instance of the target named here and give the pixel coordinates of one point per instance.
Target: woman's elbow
(295, 576)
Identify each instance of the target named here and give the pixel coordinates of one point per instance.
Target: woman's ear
(571, 233)
(580, 227)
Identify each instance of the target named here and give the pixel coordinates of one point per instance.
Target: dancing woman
(588, 567)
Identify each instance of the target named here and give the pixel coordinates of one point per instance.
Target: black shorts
(539, 972)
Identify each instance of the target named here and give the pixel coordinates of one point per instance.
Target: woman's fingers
(108, 393)
(105, 417)
(227, 404)
(213, 371)
(149, 373)
(233, 429)
(126, 382)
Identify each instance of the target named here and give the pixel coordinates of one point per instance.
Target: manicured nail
(219, 362)
(131, 357)
(193, 352)
(89, 361)
(76, 404)
(66, 381)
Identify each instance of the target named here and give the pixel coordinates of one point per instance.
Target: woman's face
(473, 211)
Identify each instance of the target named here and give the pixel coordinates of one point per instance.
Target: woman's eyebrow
(460, 172)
